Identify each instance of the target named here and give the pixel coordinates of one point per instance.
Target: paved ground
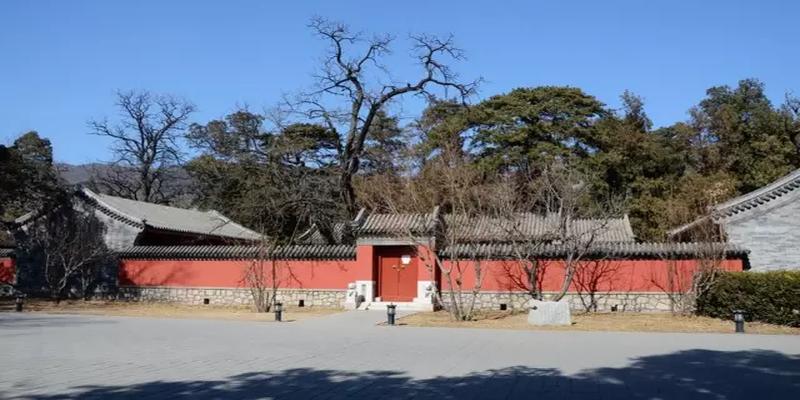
(347, 356)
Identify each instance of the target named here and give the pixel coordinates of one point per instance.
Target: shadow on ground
(692, 374)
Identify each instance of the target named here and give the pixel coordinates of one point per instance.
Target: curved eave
(164, 229)
(781, 187)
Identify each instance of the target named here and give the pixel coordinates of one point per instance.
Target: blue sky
(62, 61)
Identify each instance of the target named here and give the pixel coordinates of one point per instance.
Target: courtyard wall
(623, 284)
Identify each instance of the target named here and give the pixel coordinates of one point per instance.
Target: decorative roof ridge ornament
(359, 219)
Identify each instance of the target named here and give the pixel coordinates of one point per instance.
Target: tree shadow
(691, 374)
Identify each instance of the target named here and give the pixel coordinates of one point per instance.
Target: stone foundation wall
(635, 302)
(230, 296)
(625, 301)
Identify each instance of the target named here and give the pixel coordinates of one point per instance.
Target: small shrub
(772, 297)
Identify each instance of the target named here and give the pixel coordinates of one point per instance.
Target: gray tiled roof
(162, 217)
(314, 236)
(526, 226)
(375, 225)
(6, 252)
(600, 250)
(775, 190)
(759, 197)
(294, 252)
(397, 224)
(475, 228)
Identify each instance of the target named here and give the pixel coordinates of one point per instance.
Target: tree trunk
(347, 192)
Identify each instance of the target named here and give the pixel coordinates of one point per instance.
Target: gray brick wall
(771, 232)
(119, 235)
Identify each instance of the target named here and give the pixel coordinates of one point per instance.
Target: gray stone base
(619, 301)
(230, 296)
(549, 313)
(6, 290)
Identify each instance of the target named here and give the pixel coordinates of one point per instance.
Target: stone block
(549, 313)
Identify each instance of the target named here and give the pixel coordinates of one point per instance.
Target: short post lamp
(391, 311)
(278, 312)
(738, 318)
(19, 302)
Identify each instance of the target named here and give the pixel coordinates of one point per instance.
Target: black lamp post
(390, 313)
(738, 318)
(278, 311)
(18, 303)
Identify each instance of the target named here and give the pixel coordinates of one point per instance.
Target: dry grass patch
(612, 322)
(164, 310)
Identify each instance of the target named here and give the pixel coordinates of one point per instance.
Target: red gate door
(397, 274)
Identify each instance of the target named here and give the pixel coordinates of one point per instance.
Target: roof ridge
(218, 214)
(790, 182)
(628, 228)
(359, 218)
(229, 221)
(294, 251)
(747, 201)
(602, 249)
(307, 233)
(95, 197)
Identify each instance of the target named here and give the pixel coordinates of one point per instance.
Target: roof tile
(301, 252)
(169, 218)
(599, 250)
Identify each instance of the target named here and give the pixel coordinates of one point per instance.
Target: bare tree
(68, 245)
(346, 76)
(591, 279)
(569, 229)
(564, 192)
(684, 283)
(261, 278)
(145, 145)
(266, 273)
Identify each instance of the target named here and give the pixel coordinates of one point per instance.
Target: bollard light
(278, 311)
(18, 303)
(738, 318)
(390, 313)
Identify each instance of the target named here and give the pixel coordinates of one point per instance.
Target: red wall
(7, 270)
(605, 275)
(315, 274)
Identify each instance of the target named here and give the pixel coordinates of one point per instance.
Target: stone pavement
(347, 356)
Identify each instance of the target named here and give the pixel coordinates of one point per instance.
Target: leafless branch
(343, 79)
(145, 142)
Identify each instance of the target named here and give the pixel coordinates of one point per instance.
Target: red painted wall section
(300, 274)
(365, 262)
(605, 275)
(427, 264)
(498, 275)
(7, 270)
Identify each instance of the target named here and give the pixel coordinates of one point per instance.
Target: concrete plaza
(346, 356)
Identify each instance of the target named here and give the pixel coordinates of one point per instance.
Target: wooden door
(397, 274)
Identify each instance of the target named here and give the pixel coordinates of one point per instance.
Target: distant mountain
(79, 174)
